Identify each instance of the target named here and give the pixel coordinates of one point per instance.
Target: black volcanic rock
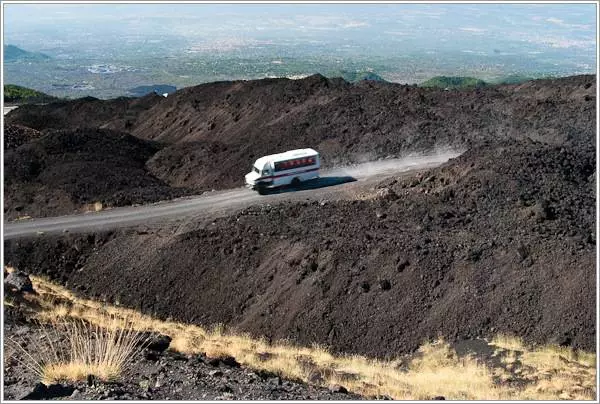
(462, 249)
(71, 168)
(213, 132)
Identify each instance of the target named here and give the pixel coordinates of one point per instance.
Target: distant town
(86, 52)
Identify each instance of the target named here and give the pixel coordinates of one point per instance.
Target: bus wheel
(296, 182)
(261, 190)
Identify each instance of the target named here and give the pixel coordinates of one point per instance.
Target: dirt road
(331, 184)
(9, 108)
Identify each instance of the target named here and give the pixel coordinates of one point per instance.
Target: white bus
(291, 167)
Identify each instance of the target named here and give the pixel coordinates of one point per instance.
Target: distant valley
(75, 75)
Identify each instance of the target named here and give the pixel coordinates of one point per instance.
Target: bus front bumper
(259, 185)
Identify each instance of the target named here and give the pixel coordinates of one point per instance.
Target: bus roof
(290, 154)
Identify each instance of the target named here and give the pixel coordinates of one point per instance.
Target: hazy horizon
(192, 43)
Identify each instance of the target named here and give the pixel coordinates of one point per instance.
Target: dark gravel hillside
(16, 135)
(87, 112)
(216, 130)
(64, 171)
(499, 240)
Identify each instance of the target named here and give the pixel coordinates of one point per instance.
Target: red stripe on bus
(286, 175)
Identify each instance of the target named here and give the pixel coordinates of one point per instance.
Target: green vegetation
(21, 95)
(453, 82)
(471, 82)
(513, 79)
(356, 76)
(140, 91)
(14, 53)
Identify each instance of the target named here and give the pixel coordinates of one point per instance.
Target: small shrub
(72, 350)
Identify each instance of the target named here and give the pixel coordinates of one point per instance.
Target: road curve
(219, 201)
(9, 108)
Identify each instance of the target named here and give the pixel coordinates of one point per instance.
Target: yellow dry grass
(72, 349)
(93, 207)
(550, 372)
(508, 342)
(436, 370)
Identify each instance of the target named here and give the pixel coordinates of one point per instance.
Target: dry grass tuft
(548, 372)
(508, 342)
(435, 370)
(93, 207)
(73, 349)
(514, 372)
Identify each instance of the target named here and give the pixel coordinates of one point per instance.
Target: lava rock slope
(64, 171)
(498, 240)
(213, 132)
